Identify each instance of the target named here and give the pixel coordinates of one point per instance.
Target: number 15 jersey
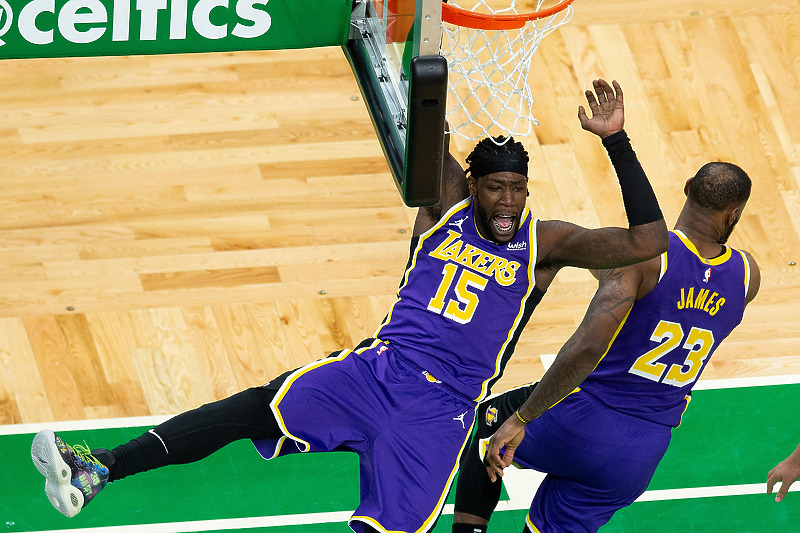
(463, 301)
(668, 336)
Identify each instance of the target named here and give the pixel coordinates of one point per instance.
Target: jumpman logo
(458, 223)
(460, 418)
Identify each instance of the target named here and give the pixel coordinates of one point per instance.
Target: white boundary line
(222, 523)
(83, 425)
(520, 485)
(761, 381)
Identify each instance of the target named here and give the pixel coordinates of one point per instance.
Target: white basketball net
(488, 81)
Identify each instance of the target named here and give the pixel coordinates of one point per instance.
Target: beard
(486, 226)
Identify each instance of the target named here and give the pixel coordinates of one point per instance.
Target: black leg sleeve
(475, 492)
(195, 434)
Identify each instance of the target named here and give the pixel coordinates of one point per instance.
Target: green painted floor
(728, 437)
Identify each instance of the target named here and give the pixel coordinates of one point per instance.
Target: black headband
(502, 162)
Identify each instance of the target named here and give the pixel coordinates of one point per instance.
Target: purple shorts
(407, 428)
(597, 461)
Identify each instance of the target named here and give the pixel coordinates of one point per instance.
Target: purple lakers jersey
(667, 338)
(463, 301)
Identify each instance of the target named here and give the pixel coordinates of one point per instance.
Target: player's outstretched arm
(575, 360)
(566, 244)
(787, 472)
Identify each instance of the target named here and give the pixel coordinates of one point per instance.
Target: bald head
(719, 186)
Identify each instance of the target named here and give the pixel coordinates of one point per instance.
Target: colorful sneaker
(73, 476)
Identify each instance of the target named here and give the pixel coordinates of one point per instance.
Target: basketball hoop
(489, 53)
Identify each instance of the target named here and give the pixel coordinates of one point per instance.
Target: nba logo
(707, 275)
(491, 415)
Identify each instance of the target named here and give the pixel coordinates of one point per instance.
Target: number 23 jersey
(463, 301)
(668, 336)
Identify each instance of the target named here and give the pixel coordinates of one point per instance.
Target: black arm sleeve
(641, 204)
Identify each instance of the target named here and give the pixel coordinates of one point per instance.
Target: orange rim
(480, 21)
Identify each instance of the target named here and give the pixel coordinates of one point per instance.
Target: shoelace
(84, 454)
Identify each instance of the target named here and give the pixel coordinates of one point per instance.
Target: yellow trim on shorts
(275, 403)
(431, 520)
(530, 524)
(374, 523)
(428, 524)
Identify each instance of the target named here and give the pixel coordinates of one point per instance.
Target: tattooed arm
(617, 290)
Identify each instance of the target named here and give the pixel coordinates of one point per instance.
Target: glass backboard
(393, 49)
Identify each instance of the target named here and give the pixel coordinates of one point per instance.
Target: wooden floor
(176, 228)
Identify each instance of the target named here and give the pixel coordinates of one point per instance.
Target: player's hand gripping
(608, 112)
(510, 434)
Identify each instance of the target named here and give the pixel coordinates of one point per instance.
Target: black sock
(143, 453)
(105, 457)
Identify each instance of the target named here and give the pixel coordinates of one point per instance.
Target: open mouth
(503, 224)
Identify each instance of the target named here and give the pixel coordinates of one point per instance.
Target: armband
(519, 417)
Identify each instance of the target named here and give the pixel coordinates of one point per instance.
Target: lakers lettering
(692, 298)
(455, 250)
